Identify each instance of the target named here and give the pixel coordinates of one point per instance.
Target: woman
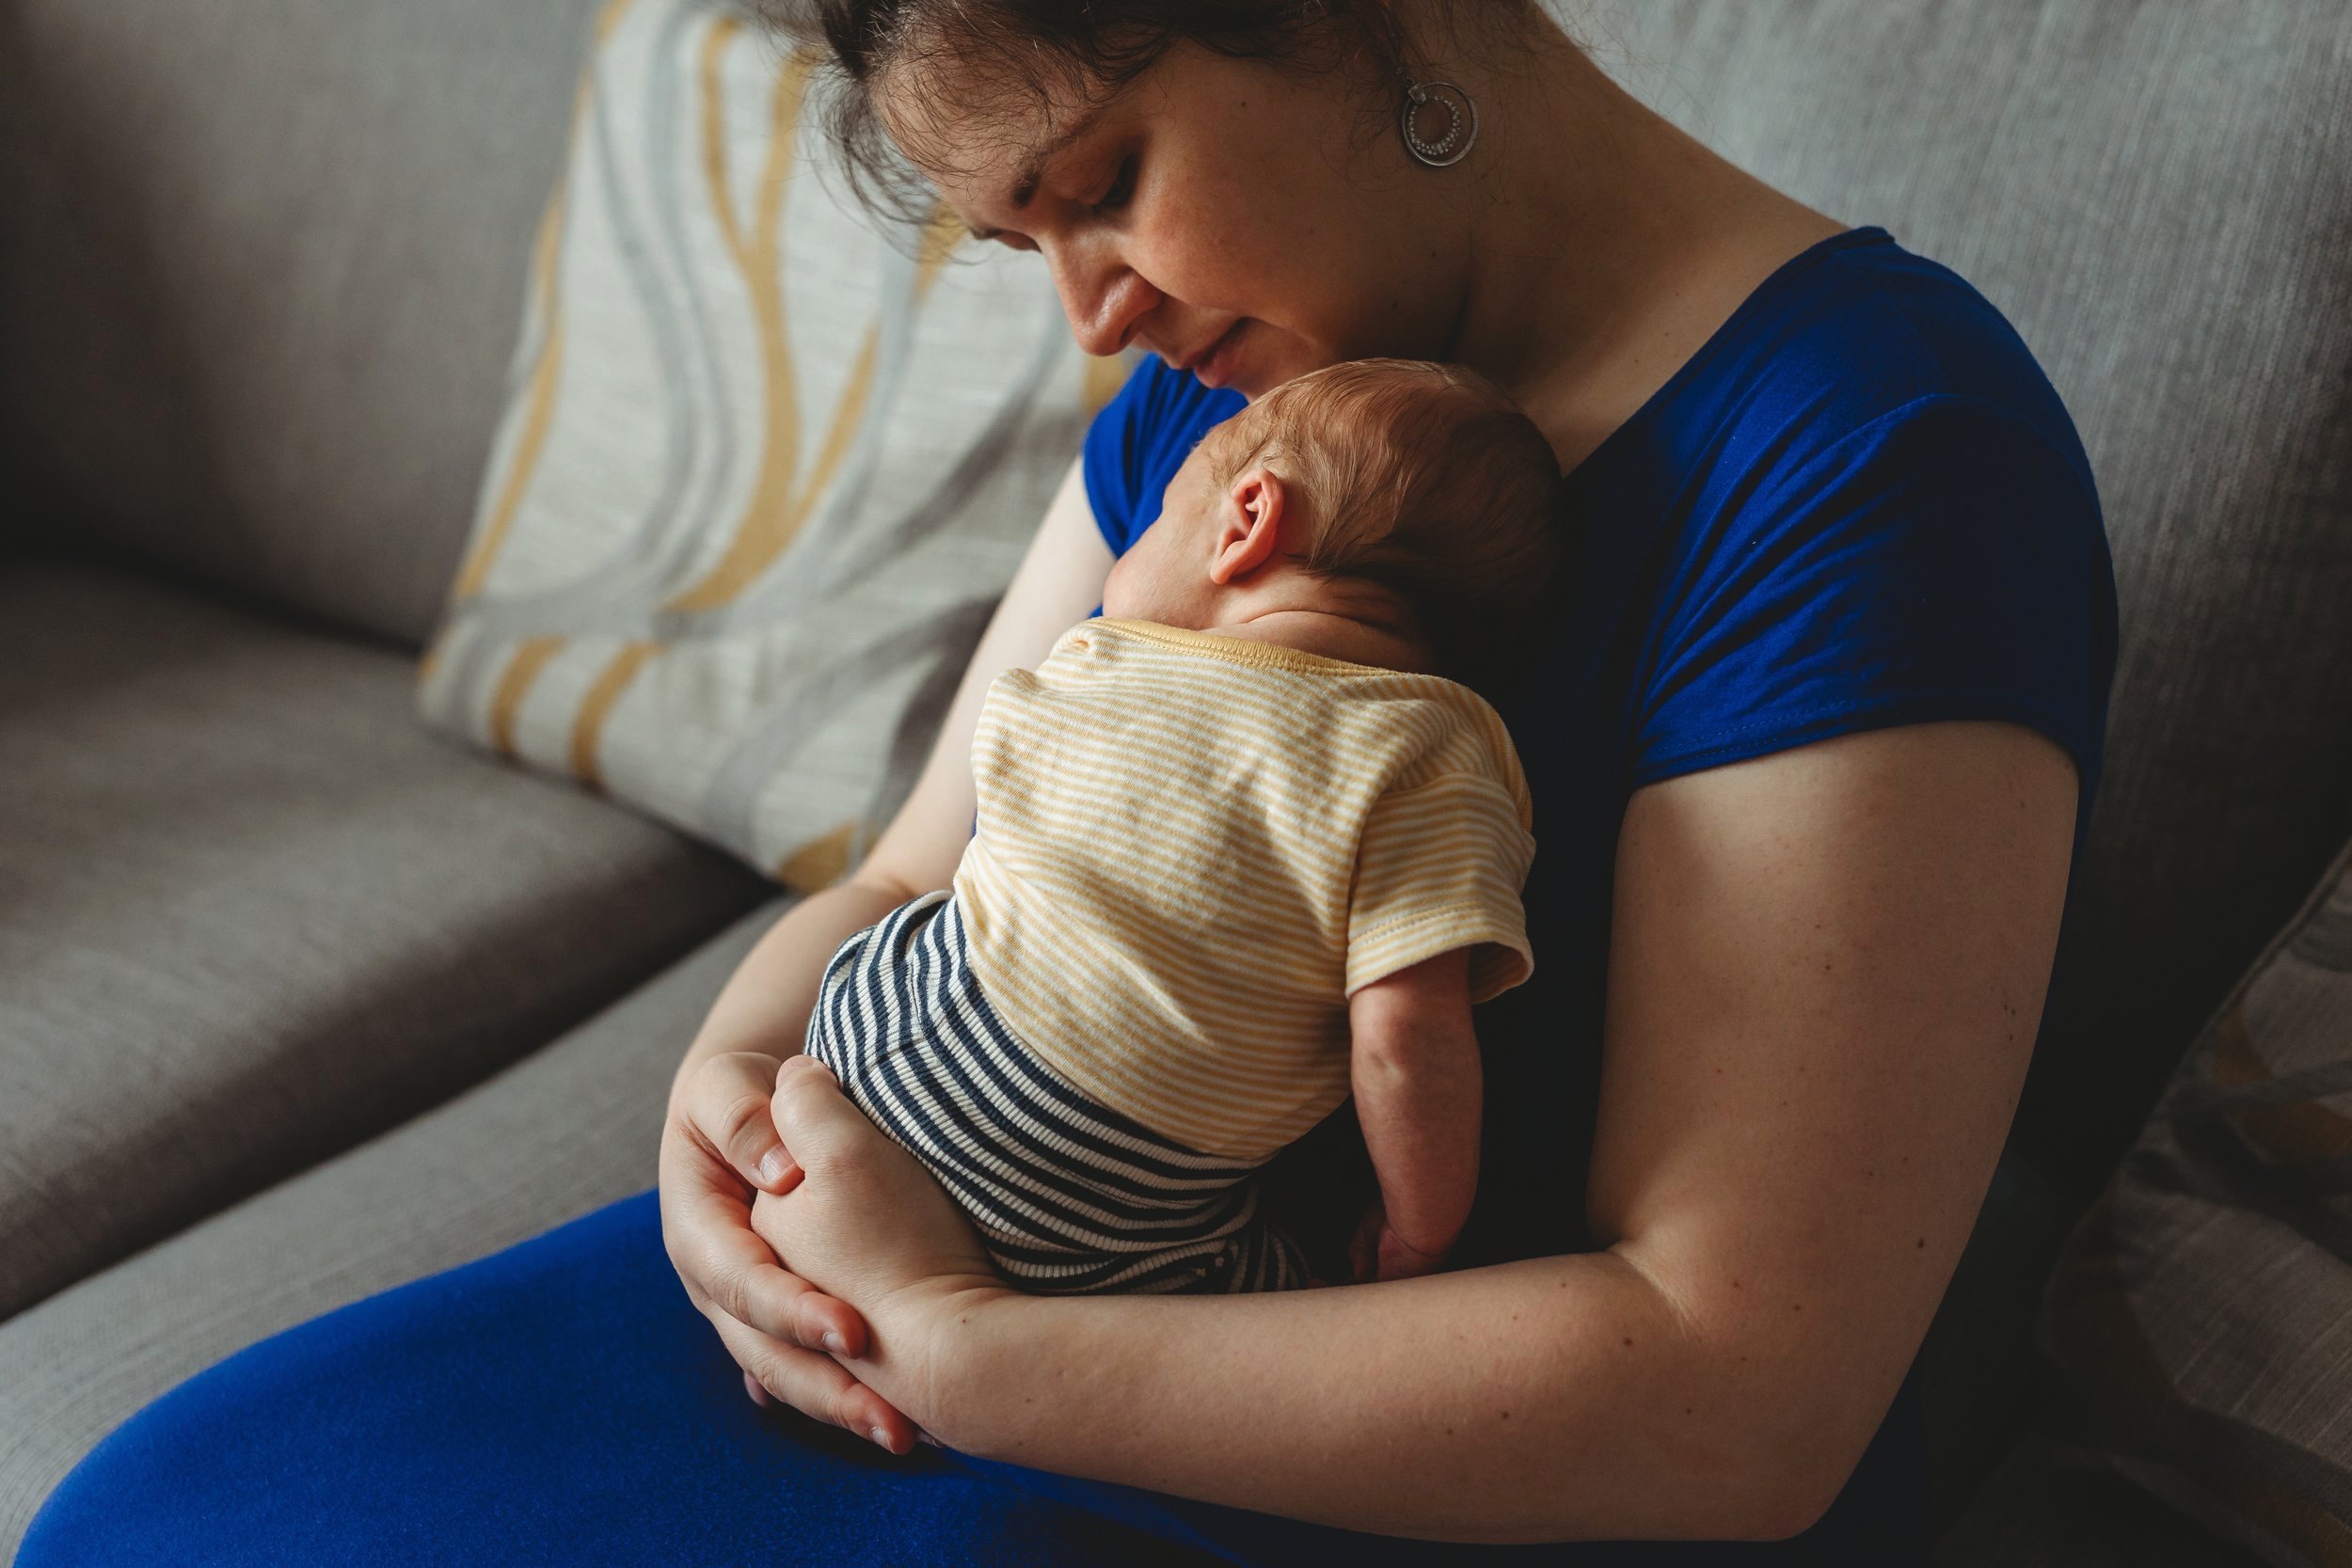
(1812, 749)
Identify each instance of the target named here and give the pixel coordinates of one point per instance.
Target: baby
(1243, 845)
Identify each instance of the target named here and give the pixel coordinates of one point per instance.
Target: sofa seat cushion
(2202, 1310)
(572, 1128)
(254, 911)
(2039, 1511)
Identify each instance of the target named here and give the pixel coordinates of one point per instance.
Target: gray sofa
(298, 1001)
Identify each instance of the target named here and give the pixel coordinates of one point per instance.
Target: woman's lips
(1216, 367)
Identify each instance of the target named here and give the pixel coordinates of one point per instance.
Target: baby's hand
(1379, 1252)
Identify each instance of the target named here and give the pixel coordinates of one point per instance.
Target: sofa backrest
(2159, 196)
(260, 271)
(263, 264)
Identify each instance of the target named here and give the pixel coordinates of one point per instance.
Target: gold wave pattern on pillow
(765, 466)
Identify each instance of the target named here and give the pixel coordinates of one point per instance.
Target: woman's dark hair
(1092, 47)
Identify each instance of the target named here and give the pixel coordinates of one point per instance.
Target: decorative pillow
(766, 465)
(2203, 1306)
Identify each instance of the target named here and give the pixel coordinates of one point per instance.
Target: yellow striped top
(1193, 849)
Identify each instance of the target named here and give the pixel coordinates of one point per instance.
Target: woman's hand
(870, 1227)
(719, 1148)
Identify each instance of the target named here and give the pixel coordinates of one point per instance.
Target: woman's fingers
(706, 1227)
(782, 1305)
(817, 1387)
(725, 1103)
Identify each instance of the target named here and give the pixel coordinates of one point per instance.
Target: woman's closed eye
(1120, 191)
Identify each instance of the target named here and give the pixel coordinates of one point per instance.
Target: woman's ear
(1249, 524)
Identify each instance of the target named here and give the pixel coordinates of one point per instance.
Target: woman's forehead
(988, 129)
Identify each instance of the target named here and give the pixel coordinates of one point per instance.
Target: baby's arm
(1414, 1061)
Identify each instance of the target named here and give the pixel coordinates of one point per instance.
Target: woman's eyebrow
(1032, 167)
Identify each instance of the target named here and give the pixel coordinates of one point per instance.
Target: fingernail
(882, 1438)
(772, 1166)
(834, 1343)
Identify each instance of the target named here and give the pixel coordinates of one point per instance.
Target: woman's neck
(1607, 245)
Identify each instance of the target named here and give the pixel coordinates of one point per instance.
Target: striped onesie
(1191, 850)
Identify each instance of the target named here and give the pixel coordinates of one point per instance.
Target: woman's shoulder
(1860, 333)
(1866, 505)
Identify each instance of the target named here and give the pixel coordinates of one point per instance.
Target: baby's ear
(1249, 524)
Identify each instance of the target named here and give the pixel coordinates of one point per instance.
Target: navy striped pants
(1068, 1195)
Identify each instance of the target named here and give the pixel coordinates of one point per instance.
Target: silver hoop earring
(1461, 125)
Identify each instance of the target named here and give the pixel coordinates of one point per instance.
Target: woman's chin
(1259, 375)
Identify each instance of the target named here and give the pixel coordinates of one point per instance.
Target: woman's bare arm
(1826, 972)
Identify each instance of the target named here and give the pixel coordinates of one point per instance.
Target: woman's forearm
(1376, 1408)
(765, 1004)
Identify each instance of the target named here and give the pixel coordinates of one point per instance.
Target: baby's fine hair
(1426, 479)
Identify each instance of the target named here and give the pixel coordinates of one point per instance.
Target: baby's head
(1409, 496)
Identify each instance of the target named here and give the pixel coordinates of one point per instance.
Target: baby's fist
(1400, 1262)
(1378, 1252)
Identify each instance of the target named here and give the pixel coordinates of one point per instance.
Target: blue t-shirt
(1861, 503)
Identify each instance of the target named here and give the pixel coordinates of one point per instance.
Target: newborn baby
(1242, 845)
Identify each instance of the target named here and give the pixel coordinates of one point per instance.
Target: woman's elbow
(1801, 1459)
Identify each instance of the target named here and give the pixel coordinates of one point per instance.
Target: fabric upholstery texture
(767, 464)
(254, 911)
(570, 1129)
(2204, 1303)
(256, 279)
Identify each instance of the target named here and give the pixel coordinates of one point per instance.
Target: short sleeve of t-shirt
(1935, 562)
(1439, 866)
(1140, 439)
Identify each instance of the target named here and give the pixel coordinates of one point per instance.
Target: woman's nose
(1103, 297)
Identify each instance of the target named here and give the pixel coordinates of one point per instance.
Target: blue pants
(561, 1403)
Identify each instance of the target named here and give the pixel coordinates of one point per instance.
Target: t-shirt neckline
(1239, 650)
(1778, 278)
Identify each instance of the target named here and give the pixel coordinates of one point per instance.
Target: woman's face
(1240, 221)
